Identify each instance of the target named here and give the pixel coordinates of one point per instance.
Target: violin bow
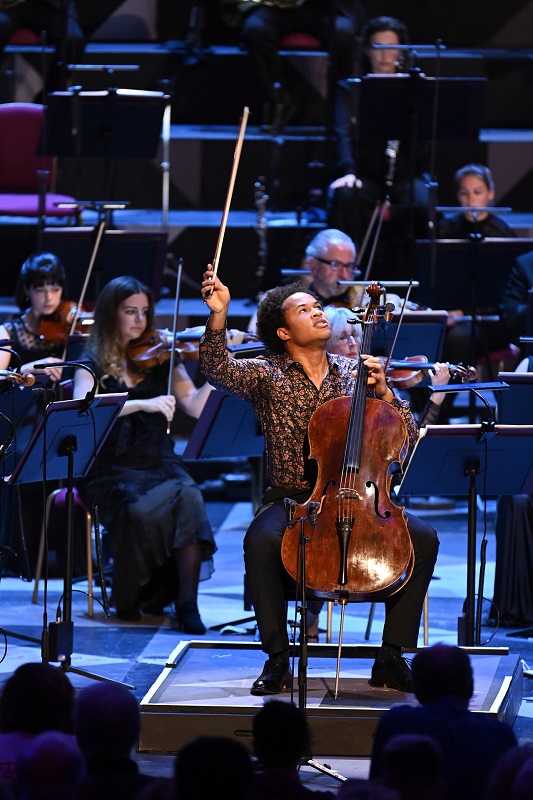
(402, 312)
(175, 322)
(99, 233)
(235, 167)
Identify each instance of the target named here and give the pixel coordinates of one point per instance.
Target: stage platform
(204, 689)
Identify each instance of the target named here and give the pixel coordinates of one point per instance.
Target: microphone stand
(470, 623)
(57, 638)
(312, 517)
(378, 215)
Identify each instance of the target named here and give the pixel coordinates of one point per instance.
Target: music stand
(514, 406)
(401, 107)
(100, 125)
(64, 445)
(480, 266)
(144, 253)
(446, 460)
(228, 428)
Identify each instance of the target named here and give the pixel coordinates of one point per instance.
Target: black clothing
(147, 500)
(514, 302)
(21, 507)
(459, 227)
(471, 742)
(113, 778)
(351, 208)
(270, 583)
(513, 589)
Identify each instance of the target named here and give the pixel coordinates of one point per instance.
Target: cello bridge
(348, 494)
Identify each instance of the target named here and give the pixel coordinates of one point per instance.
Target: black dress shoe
(276, 676)
(392, 671)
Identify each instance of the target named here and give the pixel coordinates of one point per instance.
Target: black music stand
(139, 253)
(420, 332)
(117, 123)
(468, 274)
(418, 112)
(446, 460)
(514, 406)
(228, 428)
(64, 445)
(401, 107)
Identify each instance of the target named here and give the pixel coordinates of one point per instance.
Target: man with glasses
(330, 257)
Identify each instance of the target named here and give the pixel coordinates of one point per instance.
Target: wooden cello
(358, 546)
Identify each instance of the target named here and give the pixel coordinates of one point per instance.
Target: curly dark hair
(271, 316)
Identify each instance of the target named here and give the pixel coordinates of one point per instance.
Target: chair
(425, 618)
(27, 177)
(58, 498)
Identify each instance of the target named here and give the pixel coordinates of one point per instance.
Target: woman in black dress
(40, 296)
(161, 538)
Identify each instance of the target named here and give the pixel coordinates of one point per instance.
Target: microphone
(89, 397)
(289, 510)
(6, 342)
(391, 151)
(312, 512)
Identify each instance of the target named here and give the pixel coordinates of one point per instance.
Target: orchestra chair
(505, 359)
(27, 177)
(425, 619)
(57, 498)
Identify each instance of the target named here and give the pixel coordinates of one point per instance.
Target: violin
(155, 345)
(407, 372)
(57, 327)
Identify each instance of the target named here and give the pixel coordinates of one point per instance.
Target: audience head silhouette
(107, 720)
(442, 671)
(201, 763)
(412, 766)
(50, 768)
(506, 771)
(37, 697)
(281, 734)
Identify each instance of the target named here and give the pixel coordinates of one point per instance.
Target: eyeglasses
(336, 265)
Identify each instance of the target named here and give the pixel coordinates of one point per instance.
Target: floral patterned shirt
(284, 398)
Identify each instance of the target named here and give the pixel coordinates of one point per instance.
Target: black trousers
(268, 581)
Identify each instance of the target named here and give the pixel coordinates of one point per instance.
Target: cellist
(285, 388)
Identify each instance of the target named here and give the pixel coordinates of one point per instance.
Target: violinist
(330, 257)
(40, 296)
(161, 538)
(285, 388)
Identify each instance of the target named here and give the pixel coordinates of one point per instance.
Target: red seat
(299, 40)
(23, 36)
(21, 129)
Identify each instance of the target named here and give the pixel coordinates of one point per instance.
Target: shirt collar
(285, 362)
